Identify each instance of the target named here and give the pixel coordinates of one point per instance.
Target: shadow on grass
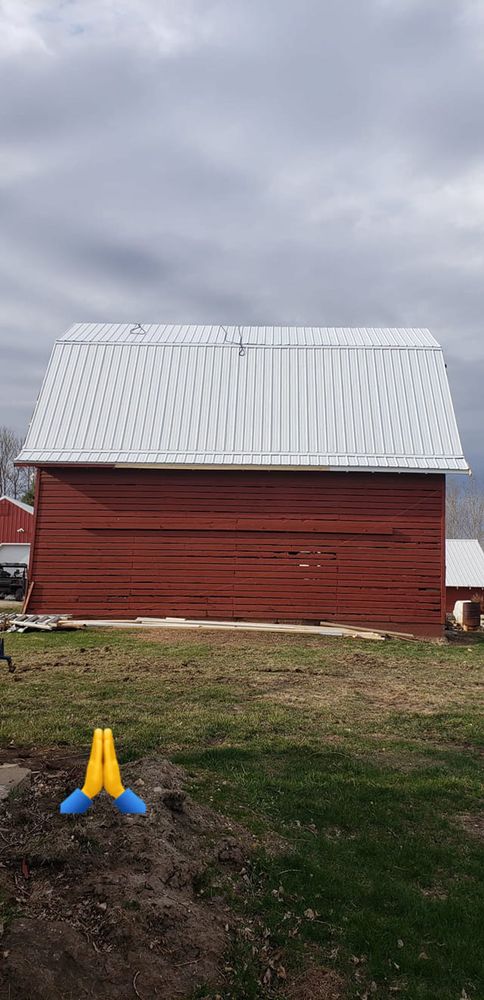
(374, 857)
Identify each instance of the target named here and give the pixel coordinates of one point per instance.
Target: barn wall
(11, 519)
(352, 547)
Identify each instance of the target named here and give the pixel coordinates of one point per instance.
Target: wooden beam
(366, 628)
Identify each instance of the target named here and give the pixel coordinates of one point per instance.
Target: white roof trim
(18, 503)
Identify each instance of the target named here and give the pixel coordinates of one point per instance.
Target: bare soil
(10, 607)
(112, 906)
(473, 824)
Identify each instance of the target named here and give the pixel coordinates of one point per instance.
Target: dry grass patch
(339, 673)
(374, 684)
(472, 823)
(317, 983)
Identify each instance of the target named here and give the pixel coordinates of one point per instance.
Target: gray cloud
(242, 161)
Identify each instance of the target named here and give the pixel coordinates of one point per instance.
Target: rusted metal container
(471, 615)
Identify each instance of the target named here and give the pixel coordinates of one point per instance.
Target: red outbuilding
(16, 531)
(259, 473)
(16, 521)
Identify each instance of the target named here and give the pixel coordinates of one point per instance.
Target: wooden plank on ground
(365, 628)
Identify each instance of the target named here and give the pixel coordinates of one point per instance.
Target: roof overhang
(241, 467)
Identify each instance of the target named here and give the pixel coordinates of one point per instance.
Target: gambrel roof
(245, 397)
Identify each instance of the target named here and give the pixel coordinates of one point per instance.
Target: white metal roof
(261, 336)
(307, 397)
(464, 563)
(18, 503)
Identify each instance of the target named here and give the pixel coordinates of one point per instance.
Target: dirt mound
(110, 905)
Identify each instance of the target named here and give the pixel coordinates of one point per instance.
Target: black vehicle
(13, 581)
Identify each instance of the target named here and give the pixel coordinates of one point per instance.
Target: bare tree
(465, 511)
(14, 482)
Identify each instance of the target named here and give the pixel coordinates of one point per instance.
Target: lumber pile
(36, 623)
(326, 628)
(226, 626)
(10, 622)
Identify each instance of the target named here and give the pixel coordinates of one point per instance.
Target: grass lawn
(362, 759)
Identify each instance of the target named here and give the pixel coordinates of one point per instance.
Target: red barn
(261, 473)
(16, 530)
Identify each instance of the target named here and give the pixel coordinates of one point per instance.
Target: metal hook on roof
(139, 329)
(237, 343)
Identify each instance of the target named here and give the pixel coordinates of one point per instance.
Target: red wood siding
(11, 519)
(454, 594)
(353, 547)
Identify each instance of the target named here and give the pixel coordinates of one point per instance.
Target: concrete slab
(13, 777)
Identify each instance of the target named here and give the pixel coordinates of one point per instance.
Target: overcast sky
(242, 161)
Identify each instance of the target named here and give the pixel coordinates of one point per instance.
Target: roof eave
(247, 466)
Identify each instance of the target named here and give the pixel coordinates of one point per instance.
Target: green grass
(360, 757)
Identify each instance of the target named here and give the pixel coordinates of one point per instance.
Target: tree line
(465, 509)
(15, 482)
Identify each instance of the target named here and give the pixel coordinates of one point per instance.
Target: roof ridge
(251, 335)
(248, 343)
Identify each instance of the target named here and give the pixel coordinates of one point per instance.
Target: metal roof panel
(297, 397)
(464, 563)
